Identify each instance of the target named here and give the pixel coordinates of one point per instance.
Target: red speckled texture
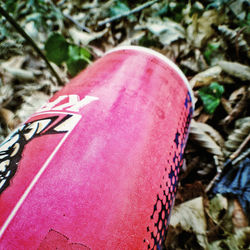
(102, 175)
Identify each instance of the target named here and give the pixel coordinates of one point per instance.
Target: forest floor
(208, 40)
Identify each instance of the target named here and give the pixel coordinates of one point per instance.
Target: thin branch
(127, 13)
(80, 26)
(70, 18)
(242, 145)
(241, 157)
(212, 182)
(31, 42)
(239, 108)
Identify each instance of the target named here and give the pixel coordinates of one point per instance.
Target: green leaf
(79, 52)
(76, 65)
(11, 5)
(217, 4)
(148, 40)
(118, 9)
(78, 59)
(210, 96)
(210, 50)
(57, 48)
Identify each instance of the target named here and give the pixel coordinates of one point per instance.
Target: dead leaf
(190, 191)
(9, 118)
(200, 30)
(237, 7)
(31, 104)
(133, 38)
(14, 62)
(236, 137)
(6, 93)
(226, 105)
(196, 63)
(235, 39)
(239, 240)
(236, 95)
(197, 111)
(217, 208)
(204, 117)
(214, 134)
(239, 108)
(239, 217)
(84, 38)
(166, 30)
(204, 78)
(199, 134)
(236, 69)
(190, 217)
(10, 48)
(20, 74)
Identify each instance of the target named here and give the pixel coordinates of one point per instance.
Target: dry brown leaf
(31, 104)
(199, 31)
(239, 217)
(236, 95)
(8, 117)
(235, 39)
(206, 169)
(197, 111)
(213, 133)
(14, 62)
(6, 93)
(206, 77)
(237, 136)
(196, 63)
(20, 74)
(133, 38)
(84, 38)
(14, 67)
(236, 69)
(216, 206)
(239, 108)
(198, 134)
(190, 217)
(226, 105)
(61, 71)
(187, 168)
(204, 117)
(166, 30)
(190, 191)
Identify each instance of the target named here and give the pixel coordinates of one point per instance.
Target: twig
(80, 26)
(241, 157)
(32, 43)
(216, 178)
(239, 108)
(190, 167)
(127, 13)
(242, 145)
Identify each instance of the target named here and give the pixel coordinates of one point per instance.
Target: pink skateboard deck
(97, 167)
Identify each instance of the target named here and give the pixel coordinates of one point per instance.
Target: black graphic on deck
(11, 150)
(165, 198)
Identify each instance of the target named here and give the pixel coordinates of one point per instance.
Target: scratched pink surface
(112, 181)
